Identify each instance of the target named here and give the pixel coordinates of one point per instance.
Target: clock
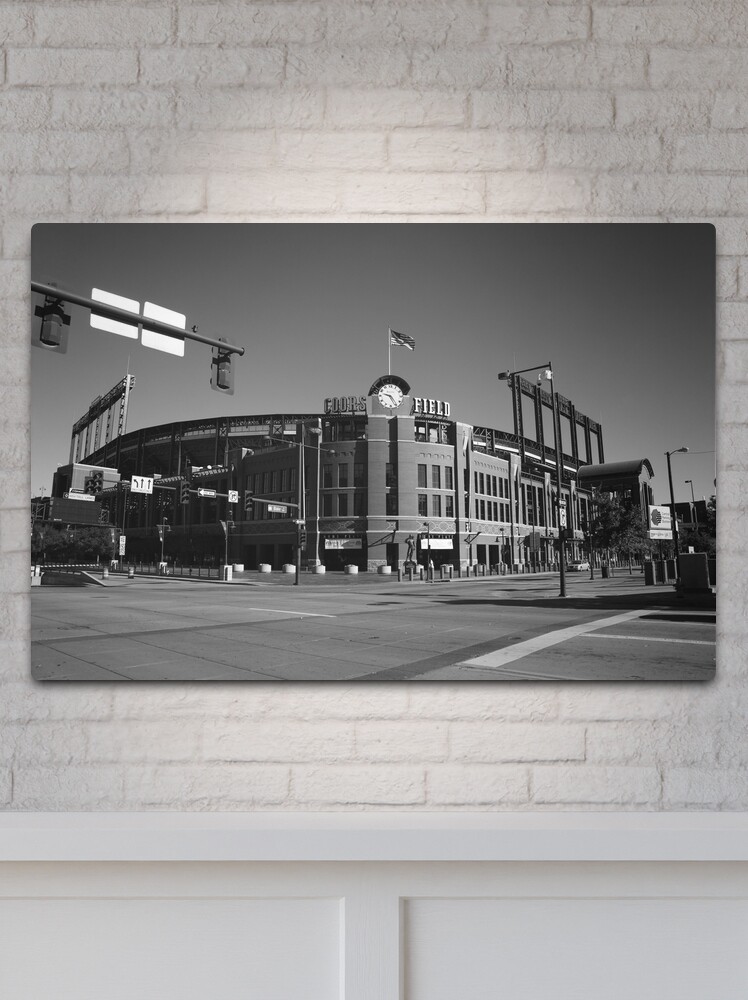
(390, 395)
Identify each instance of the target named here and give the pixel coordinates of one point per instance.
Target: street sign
(141, 484)
(659, 533)
(277, 508)
(562, 516)
(233, 496)
(660, 522)
(206, 493)
(72, 495)
(122, 540)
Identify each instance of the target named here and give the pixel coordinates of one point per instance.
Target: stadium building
(372, 479)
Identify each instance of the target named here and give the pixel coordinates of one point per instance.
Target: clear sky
(624, 312)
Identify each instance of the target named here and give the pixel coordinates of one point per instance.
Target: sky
(625, 313)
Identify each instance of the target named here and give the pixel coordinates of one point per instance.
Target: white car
(577, 566)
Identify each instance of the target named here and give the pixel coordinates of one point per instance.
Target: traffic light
(184, 491)
(51, 333)
(94, 483)
(302, 539)
(89, 485)
(221, 373)
(248, 504)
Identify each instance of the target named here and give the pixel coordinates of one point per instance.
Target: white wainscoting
(365, 907)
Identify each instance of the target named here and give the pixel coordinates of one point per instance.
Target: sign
(277, 508)
(562, 515)
(345, 404)
(436, 543)
(233, 496)
(206, 493)
(122, 541)
(660, 523)
(343, 543)
(430, 406)
(141, 484)
(72, 495)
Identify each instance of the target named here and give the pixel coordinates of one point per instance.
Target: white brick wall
(400, 111)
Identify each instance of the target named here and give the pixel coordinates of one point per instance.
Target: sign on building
(343, 543)
(660, 523)
(436, 543)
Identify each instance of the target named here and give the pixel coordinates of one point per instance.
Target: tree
(703, 537)
(618, 526)
(58, 544)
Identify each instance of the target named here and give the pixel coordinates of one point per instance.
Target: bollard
(105, 573)
(410, 574)
(131, 573)
(399, 574)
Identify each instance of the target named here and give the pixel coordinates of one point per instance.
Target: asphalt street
(371, 628)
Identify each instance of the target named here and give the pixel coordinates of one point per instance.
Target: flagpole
(389, 350)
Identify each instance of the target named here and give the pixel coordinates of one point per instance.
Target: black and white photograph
(373, 452)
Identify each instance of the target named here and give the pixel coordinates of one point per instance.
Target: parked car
(577, 566)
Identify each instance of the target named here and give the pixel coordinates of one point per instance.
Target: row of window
(436, 506)
(359, 475)
(436, 477)
(272, 481)
(491, 486)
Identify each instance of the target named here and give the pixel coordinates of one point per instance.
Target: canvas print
(373, 452)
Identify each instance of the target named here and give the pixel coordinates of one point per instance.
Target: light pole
(429, 577)
(548, 372)
(672, 508)
(689, 482)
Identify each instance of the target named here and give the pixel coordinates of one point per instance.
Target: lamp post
(689, 482)
(427, 560)
(672, 508)
(548, 372)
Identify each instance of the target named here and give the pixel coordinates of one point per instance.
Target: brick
(538, 24)
(84, 24)
(51, 152)
(710, 152)
(14, 524)
(68, 67)
(729, 110)
(273, 192)
(322, 65)
(702, 68)
(409, 740)
(21, 701)
(732, 320)
(74, 787)
(412, 193)
(17, 20)
(477, 785)
(207, 67)
(278, 740)
(577, 67)
(36, 196)
(229, 109)
(742, 289)
(6, 786)
(359, 785)
(350, 150)
(175, 786)
(250, 24)
(435, 23)
(603, 151)
(728, 269)
(536, 109)
(456, 149)
(590, 785)
(32, 107)
(713, 788)
(459, 69)
(203, 151)
(620, 702)
(516, 742)
(521, 193)
(105, 196)
(110, 109)
(651, 194)
(642, 110)
(633, 25)
(42, 743)
(483, 701)
(642, 743)
(392, 108)
(14, 279)
(160, 741)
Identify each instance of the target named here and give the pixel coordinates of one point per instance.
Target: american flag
(402, 340)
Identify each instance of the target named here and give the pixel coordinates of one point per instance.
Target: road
(371, 628)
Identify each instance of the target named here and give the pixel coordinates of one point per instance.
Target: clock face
(390, 395)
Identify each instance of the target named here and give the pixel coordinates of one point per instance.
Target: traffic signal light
(302, 539)
(94, 483)
(184, 491)
(221, 373)
(248, 505)
(52, 333)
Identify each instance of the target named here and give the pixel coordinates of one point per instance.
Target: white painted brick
(558, 193)
(322, 65)
(477, 741)
(722, 153)
(164, 740)
(277, 740)
(732, 320)
(29, 744)
(14, 277)
(435, 22)
(477, 785)
(73, 787)
(643, 110)
(30, 107)
(510, 702)
(83, 24)
(109, 109)
(272, 192)
(456, 149)
(92, 196)
(210, 787)
(202, 151)
(603, 151)
(61, 151)
(742, 289)
(413, 193)
(17, 20)
(477, 66)
(711, 788)
(35, 195)
(390, 108)
(651, 194)
(563, 785)
(728, 270)
(623, 702)
(22, 701)
(358, 784)
(538, 24)
(698, 68)
(577, 67)
(206, 67)
(409, 740)
(633, 25)
(234, 108)
(68, 67)
(6, 785)
(537, 109)
(14, 526)
(354, 150)
(231, 24)
(730, 110)
(638, 743)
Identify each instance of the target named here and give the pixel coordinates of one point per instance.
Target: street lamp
(428, 561)
(672, 508)
(689, 482)
(547, 369)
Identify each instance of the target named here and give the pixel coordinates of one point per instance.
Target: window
(292, 479)
(449, 505)
(358, 474)
(421, 477)
(448, 483)
(494, 490)
(476, 482)
(390, 476)
(283, 478)
(436, 477)
(390, 504)
(327, 476)
(342, 504)
(343, 475)
(327, 505)
(422, 504)
(482, 484)
(420, 432)
(483, 510)
(436, 503)
(359, 510)
(477, 509)
(495, 511)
